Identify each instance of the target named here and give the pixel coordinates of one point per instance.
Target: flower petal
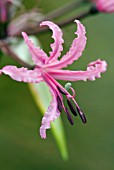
(51, 114)
(38, 55)
(57, 45)
(93, 71)
(22, 74)
(76, 49)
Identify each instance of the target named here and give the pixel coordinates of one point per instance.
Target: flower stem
(90, 12)
(63, 10)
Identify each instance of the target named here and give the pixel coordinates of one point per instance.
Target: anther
(69, 116)
(82, 116)
(61, 90)
(59, 104)
(71, 107)
(67, 86)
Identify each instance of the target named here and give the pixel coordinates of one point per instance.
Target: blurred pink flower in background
(4, 12)
(106, 6)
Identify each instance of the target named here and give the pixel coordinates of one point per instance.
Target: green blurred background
(90, 146)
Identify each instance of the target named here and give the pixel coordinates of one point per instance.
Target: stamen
(61, 90)
(73, 91)
(82, 116)
(71, 107)
(59, 104)
(69, 116)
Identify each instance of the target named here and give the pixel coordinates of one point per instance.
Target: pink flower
(48, 69)
(106, 6)
(4, 10)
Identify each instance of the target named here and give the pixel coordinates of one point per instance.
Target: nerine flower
(106, 6)
(49, 69)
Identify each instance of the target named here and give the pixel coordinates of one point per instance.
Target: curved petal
(51, 114)
(57, 45)
(76, 49)
(22, 74)
(38, 55)
(93, 71)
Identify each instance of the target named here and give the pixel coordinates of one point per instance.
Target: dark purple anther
(59, 104)
(71, 107)
(69, 116)
(82, 116)
(61, 90)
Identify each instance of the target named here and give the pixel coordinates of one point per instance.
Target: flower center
(71, 102)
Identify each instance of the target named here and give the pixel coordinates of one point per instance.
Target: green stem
(63, 10)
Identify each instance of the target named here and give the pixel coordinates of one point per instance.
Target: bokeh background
(90, 146)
